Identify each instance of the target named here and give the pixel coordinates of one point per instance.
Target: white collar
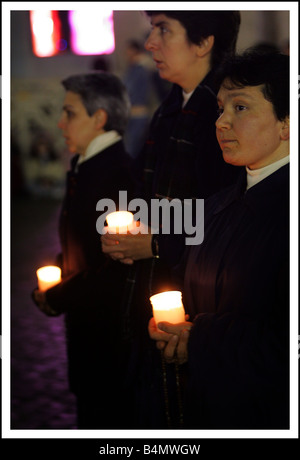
(186, 97)
(256, 175)
(98, 144)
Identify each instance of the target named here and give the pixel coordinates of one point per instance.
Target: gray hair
(102, 90)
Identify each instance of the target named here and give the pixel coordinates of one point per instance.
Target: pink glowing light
(92, 31)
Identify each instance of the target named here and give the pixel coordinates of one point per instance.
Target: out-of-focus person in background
(94, 118)
(43, 170)
(138, 81)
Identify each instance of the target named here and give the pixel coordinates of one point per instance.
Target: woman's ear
(285, 129)
(100, 119)
(206, 45)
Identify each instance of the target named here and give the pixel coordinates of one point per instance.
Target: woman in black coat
(236, 283)
(94, 118)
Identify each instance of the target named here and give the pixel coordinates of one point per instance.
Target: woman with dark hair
(236, 283)
(181, 160)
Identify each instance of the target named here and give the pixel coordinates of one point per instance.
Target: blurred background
(38, 153)
(41, 56)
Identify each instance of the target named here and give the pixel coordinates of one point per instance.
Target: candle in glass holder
(119, 221)
(48, 276)
(168, 306)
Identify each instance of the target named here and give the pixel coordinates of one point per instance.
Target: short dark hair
(254, 68)
(102, 90)
(223, 25)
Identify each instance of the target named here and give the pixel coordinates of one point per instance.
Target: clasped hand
(172, 339)
(127, 247)
(39, 298)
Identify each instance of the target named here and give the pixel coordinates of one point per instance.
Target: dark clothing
(95, 321)
(237, 290)
(182, 160)
(102, 176)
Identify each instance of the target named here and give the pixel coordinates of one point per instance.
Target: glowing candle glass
(167, 306)
(48, 276)
(119, 221)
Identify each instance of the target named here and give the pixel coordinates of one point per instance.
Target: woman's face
(248, 130)
(175, 57)
(78, 128)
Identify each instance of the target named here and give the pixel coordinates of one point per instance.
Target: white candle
(167, 306)
(48, 276)
(119, 221)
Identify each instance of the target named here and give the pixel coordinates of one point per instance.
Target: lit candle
(167, 306)
(119, 221)
(48, 276)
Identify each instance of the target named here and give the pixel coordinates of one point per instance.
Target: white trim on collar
(98, 144)
(254, 176)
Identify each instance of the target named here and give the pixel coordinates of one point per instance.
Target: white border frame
(7, 7)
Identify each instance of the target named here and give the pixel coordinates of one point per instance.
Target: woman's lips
(226, 141)
(158, 63)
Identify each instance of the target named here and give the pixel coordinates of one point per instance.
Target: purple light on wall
(92, 31)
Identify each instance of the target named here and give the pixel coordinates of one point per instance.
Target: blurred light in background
(86, 32)
(92, 32)
(45, 32)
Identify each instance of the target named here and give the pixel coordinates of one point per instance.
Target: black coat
(182, 160)
(237, 290)
(91, 290)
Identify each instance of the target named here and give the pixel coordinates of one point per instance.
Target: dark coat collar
(260, 195)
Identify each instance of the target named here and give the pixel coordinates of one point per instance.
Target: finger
(116, 255)
(170, 349)
(39, 296)
(127, 261)
(160, 345)
(156, 334)
(111, 247)
(151, 325)
(109, 239)
(182, 348)
(174, 329)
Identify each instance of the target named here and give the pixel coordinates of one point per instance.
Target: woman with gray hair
(93, 121)
(102, 91)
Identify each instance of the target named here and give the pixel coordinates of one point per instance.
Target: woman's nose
(151, 43)
(223, 122)
(60, 123)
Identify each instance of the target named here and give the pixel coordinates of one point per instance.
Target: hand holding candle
(172, 338)
(48, 276)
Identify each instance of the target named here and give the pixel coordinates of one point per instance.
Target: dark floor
(40, 398)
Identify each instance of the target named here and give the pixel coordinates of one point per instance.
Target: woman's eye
(240, 108)
(163, 30)
(220, 110)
